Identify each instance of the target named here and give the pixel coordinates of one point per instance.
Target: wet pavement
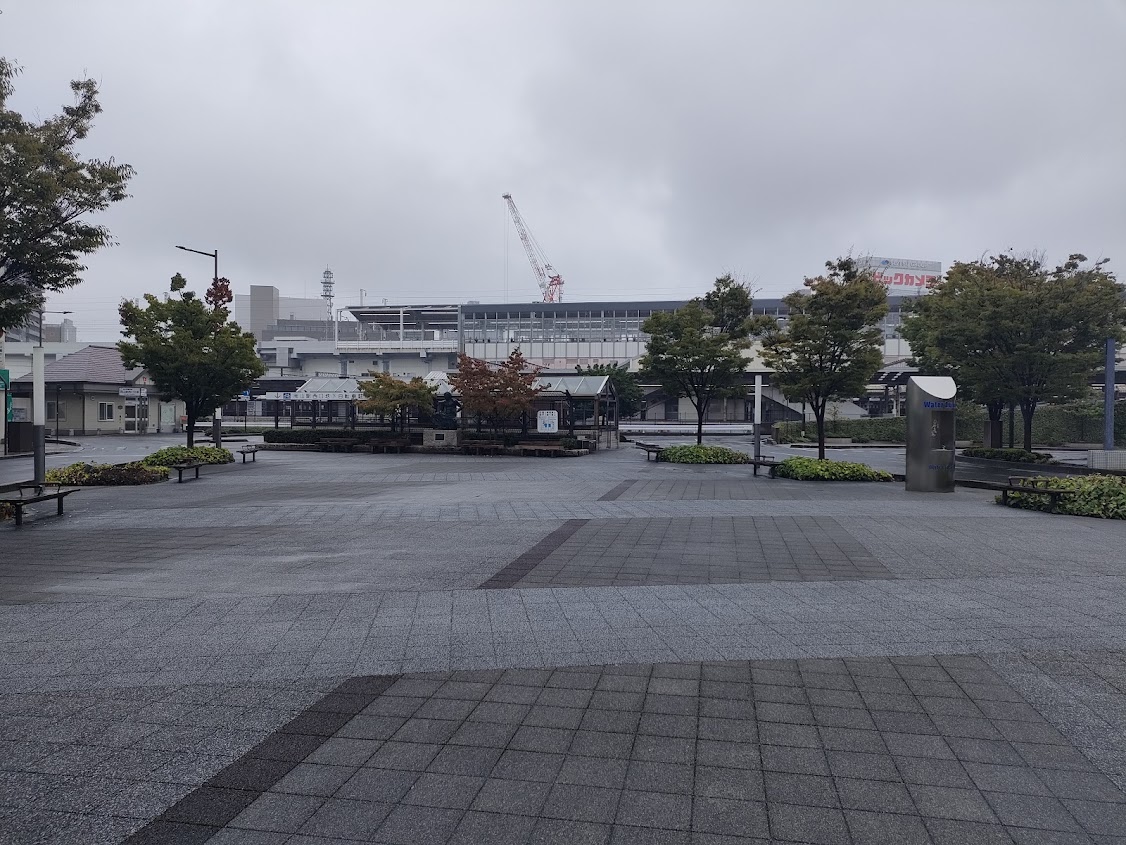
(322, 648)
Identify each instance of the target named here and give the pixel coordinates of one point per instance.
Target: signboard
(902, 276)
(311, 395)
(133, 392)
(547, 422)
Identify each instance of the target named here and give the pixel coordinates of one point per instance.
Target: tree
(832, 343)
(46, 189)
(1010, 330)
(497, 394)
(697, 351)
(396, 399)
(189, 347)
(626, 385)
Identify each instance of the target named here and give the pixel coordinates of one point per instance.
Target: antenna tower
(326, 294)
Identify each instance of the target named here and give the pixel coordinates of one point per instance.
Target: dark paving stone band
(507, 577)
(617, 491)
(200, 814)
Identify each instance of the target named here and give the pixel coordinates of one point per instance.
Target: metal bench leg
(19, 514)
(61, 505)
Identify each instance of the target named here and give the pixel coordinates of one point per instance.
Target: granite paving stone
(302, 653)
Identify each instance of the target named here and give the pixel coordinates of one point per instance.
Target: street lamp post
(217, 417)
(39, 407)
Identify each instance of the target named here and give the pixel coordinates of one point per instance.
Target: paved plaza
(320, 648)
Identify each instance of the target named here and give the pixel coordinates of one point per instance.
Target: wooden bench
(1023, 484)
(184, 467)
(547, 450)
(337, 444)
(768, 463)
(385, 446)
(482, 447)
(650, 449)
(252, 451)
(39, 495)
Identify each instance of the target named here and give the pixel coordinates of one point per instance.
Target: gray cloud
(651, 145)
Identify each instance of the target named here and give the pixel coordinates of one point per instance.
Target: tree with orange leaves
(497, 394)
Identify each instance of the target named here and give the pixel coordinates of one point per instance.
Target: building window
(105, 411)
(56, 410)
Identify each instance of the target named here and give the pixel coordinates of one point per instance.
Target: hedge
(1014, 455)
(1101, 496)
(1052, 425)
(188, 454)
(814, 469)
(310, 436)
(703, 455)
(106, 475)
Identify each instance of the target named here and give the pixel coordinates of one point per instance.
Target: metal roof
(580, 386)
(328, 389)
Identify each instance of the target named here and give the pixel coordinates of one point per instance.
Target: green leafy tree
(1011, 330)
(390, 397)
(627, 387)
(832, 343)
(697, 351)
(46, 192)
(190, 348)
(498, 394)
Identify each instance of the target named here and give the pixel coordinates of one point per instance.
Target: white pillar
(758, 416)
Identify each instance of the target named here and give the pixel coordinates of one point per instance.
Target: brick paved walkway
(300, 651)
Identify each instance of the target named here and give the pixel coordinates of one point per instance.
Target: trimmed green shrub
(188, 454)
(1075, 422)
(703, 455)
(1102, 496)
(106, 475)
(312, 436)
(1017, 455)
(812, 469)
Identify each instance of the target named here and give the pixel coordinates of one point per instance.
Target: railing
(448, 345)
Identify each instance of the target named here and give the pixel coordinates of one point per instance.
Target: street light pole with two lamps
(217, 418)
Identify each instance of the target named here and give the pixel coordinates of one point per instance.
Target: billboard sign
(133, 392)
(902, 276)
(547, 422)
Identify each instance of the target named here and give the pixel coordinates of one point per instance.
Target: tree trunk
(1026, 411)
(701, 412)
(191, 427)
(994, 410)
(820, 417)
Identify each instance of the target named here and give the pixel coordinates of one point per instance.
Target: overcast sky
(651, 146)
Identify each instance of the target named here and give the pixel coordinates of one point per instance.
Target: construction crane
(550, 282)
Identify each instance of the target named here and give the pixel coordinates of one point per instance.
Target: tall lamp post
(217, 417)
(39, 406)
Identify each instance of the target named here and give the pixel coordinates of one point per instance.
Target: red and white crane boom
(550, 282)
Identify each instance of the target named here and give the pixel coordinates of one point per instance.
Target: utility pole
(38, 409)
(1108, 396)
(39, 406)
